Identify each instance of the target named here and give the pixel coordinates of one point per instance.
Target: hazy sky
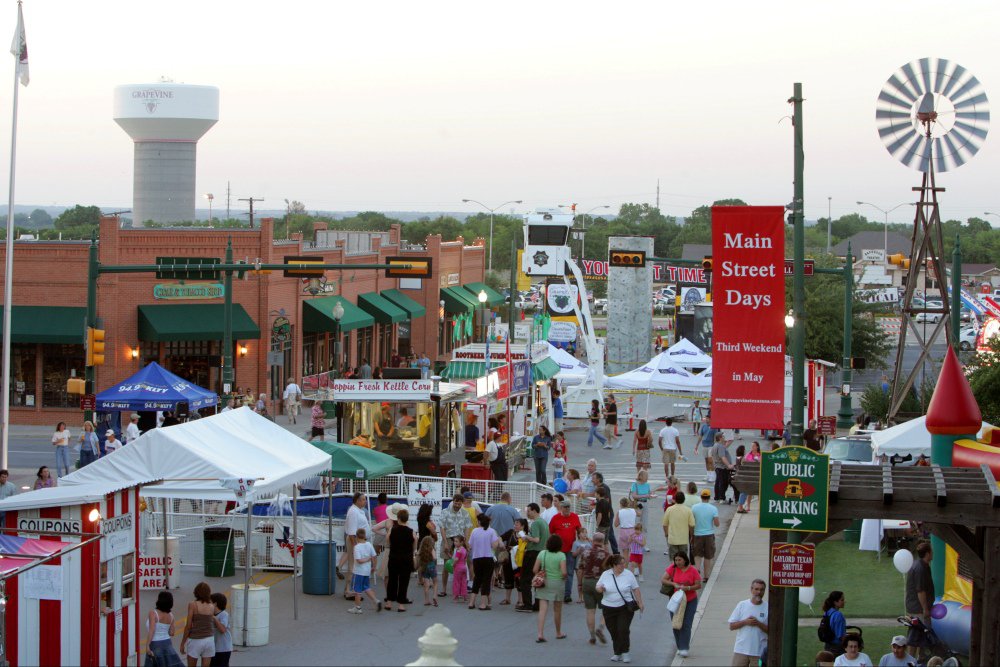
(417, 105)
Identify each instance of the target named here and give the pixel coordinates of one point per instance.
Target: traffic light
(76, 386)
(420, 267)
(633, 259)
(95, 346)
(706, 263)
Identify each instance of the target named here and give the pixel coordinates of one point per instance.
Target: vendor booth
(154, 389)
(686, 354)
(417, 421)
(572, 371)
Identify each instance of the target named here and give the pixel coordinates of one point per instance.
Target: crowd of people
(206, 639)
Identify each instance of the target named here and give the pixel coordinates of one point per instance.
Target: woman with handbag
(684, 577)
(483, 543)
(621, 598)
(400, 560)
(549, 583)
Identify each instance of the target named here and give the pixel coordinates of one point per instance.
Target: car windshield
(849, 450)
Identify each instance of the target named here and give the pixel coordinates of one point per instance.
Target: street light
(885, 236)
(210, 197)
(988, 213)
(829, 221)
(491, 210)
(338, 314)
(482, 302)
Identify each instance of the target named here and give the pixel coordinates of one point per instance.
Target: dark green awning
(383, 310)
(406, 303)
(545, 369)
(193, 321)
(60, 325)
(317, 315)
(493, 297)
(457, 301)
(468, 370)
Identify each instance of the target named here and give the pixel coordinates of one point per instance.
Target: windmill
(932, 115)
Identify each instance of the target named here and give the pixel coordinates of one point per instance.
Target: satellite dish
(932, 110)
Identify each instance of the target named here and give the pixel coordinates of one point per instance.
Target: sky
(417, 105)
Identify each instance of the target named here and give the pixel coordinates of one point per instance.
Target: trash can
(219, 558)
(852, 533)
(316, 567)
(258, 612)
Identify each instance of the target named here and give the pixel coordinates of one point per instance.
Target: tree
(39, 219)
(985, 380)
(78, 216)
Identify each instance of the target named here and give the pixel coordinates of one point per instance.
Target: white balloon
(903, 559)
(807, 595)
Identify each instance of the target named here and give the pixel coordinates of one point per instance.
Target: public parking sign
(794, 490)
(792, 564)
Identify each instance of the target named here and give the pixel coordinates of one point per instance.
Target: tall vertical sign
(748, 367)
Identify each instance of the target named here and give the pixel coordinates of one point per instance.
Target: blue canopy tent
(154, 388)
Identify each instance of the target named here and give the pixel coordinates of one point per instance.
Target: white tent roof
(910, 437)
(659, 374)
(59, 496)
(686, 354)
(191, 458)
(568, 364)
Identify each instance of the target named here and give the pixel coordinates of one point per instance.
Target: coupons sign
(748, 381)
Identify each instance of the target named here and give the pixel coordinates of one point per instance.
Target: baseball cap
(109, 432)
(467, 494)
(705, 493)
(899, 640)
(565, 503)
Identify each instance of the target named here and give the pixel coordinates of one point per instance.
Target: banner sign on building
(182, 290)
(381, 390)
(748, 369)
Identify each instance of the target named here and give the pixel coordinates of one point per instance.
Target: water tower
(165, 120)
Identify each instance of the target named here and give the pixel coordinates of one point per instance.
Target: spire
(953, 409)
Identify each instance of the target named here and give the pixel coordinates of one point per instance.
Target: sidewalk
(742, 559)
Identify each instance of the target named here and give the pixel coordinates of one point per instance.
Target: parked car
(601, 305)
(932, 318)
(967, 338)
(850, 449)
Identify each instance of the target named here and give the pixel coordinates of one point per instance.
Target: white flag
(19, 48)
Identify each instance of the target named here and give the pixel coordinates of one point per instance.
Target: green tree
(78, 216)
(985, 380)
(38, 219)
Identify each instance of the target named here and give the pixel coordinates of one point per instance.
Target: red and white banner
(748, 293)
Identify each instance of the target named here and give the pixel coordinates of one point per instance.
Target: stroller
(927, 642)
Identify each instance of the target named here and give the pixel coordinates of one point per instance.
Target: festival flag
(19, 48)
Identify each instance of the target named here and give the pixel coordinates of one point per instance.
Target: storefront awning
(383, 310)
(468, 370)
(458, 301)
(406, 303)
(61, 325)
(317, 315)
(196, 321)
(493, 297)
(545, 369)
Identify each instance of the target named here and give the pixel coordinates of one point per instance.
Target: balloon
(939, 611)
(449, 566)
(560, 485)
(902, 560)
(807, 595)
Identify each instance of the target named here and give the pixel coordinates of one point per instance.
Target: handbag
(538, 581)
(631, 605)
(666, 589)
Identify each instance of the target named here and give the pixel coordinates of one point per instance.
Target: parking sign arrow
(793, 522)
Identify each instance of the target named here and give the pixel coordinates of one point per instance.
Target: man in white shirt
(356, 518)
(292, 398)
(670, 445)
(749, 621)
(132, 430)
(549, 510)
(111, 444)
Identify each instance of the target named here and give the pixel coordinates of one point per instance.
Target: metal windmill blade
(932, 112)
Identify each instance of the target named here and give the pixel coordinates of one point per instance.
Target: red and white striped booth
(81, 607)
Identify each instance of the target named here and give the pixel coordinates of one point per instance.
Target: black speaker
(182, 410)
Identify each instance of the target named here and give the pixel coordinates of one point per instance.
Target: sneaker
(606, 447)
(355, 610)
(567, 600)
(626, 657)
(682, 653)
(616, 658)
(525, 608)
(378, 607)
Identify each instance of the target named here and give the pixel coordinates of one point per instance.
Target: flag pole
(8, 276)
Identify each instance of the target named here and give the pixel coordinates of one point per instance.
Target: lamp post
(845, 415)
(829, 221)
(338, 314)
(885, 232)
(486, 351)
(210, 197)
(988, 213)
(491, 210)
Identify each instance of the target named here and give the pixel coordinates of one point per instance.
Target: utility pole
(829, 221)
(657, 194)
(227, 200)
(845, 416)
(251, 200)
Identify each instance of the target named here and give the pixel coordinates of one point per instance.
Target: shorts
(635, 558)
(675, 549)
(430, 571)
(317, 431)
(703, 546)
(591, 596)
(360, 583)
(200, 648)
(670, 456)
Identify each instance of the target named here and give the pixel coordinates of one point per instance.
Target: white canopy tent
(659, 374)
(571, 369)
(910, 437)
(686, 354)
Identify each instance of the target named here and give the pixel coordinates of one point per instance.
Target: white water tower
(165, 120)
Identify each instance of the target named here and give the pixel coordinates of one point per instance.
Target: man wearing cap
(564, 525)
(749, 622)
(455, 522)
(132, 430)
(472, 508)
(111, 444)
(898, 656)
(706, 520)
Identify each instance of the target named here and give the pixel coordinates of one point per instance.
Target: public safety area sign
(792, 564)
(794, 490)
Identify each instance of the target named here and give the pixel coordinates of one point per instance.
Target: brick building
(282, 327)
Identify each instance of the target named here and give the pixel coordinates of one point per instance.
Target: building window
(365, 342)
(128, 578)
(309, 365)
(384, 344)
(197, 361)
(403, 341)
(149, 351)
(58, 364)
(22, 375)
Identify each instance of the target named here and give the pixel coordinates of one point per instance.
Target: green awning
(194, 321)
(406, 303)
(353, 462)
(493, 297)
(317, 315)
(383, 310)
(61, 325)
(457, 301)
(467, 370)
(545, 369)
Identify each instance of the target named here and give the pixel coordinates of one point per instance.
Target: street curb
(678, 661)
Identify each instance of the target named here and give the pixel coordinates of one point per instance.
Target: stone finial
(953, 409)
(437, 647)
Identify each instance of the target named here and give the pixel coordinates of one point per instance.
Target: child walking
(364, 556)
(427, 570)
(636, 549)
(460, 573)
(559, 455)
(223, 637)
